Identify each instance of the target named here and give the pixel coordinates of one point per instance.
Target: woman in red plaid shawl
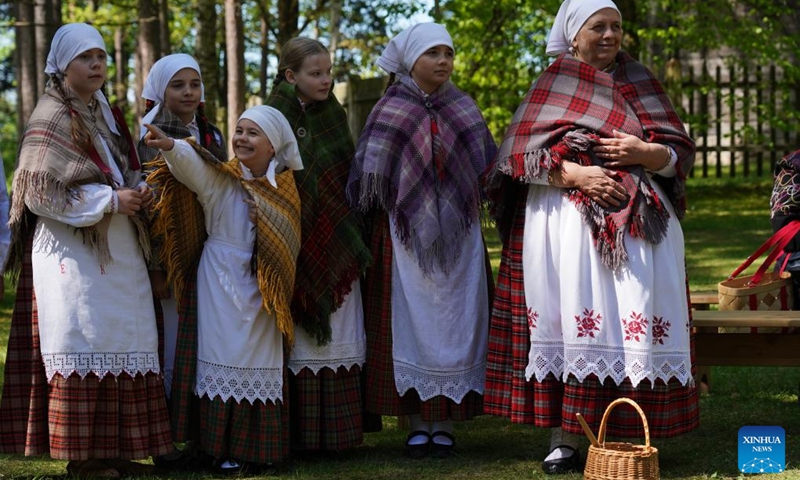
(416, 171)
(93, 393)
(587, 189)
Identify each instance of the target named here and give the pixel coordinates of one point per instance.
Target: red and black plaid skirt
(254, 433)
(183, 403)
(671, 409)
(73, 418)
(381, 395)
(326, 409)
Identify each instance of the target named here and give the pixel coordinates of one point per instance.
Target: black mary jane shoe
(230, 467)
(440, 450)
(175, 460)
(420, 450)
(563, 465)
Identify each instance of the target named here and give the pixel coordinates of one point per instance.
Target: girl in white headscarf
(415, 173)
(79, 242)
(174, 94)
(245, 280)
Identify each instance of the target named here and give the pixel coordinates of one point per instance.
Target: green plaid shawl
(333, 253)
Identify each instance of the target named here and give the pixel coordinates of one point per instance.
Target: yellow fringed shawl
(180, 221)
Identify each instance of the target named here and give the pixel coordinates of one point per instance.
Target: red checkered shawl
(567, 109)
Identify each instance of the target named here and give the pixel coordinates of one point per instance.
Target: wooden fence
(358, 96)
(742, 118)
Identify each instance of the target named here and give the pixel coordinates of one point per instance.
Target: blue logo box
(762, 449)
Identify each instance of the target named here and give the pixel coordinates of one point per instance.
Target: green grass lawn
(727, 220)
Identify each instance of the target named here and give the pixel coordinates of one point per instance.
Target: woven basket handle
(777, 242)
(601, 436)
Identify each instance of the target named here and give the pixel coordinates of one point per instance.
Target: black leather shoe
(563, 465)
(230, 467)
(440, 450)
(420, 450)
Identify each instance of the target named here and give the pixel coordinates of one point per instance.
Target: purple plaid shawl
(561, 117)
(394, 168)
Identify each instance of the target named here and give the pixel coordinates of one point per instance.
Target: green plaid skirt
(326, 409)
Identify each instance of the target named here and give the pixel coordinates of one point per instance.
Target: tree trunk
(120, 61)
(55, 13)
(207, 55)
(148, 45)
(138, 84)
(163, 23)
(45, 29)
(288, 20)
(234, 53)
(436, 14)
(27, 90)
(630, 42)
(336, 32)
(263, 45)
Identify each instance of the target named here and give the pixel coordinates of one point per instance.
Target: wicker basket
(621, 461)
(764, 290)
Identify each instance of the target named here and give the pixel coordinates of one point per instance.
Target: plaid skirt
(183, 403)
(671, 408)
(255, 433)
(325, 409)
(73, 418)
(381, 395)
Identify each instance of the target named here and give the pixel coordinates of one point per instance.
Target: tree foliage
(499, 51)
(499, 43)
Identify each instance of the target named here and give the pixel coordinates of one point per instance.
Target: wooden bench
(703, 300)
(714, 347)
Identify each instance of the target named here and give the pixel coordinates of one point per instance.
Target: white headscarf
(272, 122)
(569, 20)
(404, 49)
(158, 79)
(70, 41)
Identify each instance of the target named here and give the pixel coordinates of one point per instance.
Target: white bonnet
(569, 20)
(275, 126)
(406, 47)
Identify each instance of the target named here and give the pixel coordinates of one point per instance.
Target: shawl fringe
(51, 168)
(276, 248)
(179, 225)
